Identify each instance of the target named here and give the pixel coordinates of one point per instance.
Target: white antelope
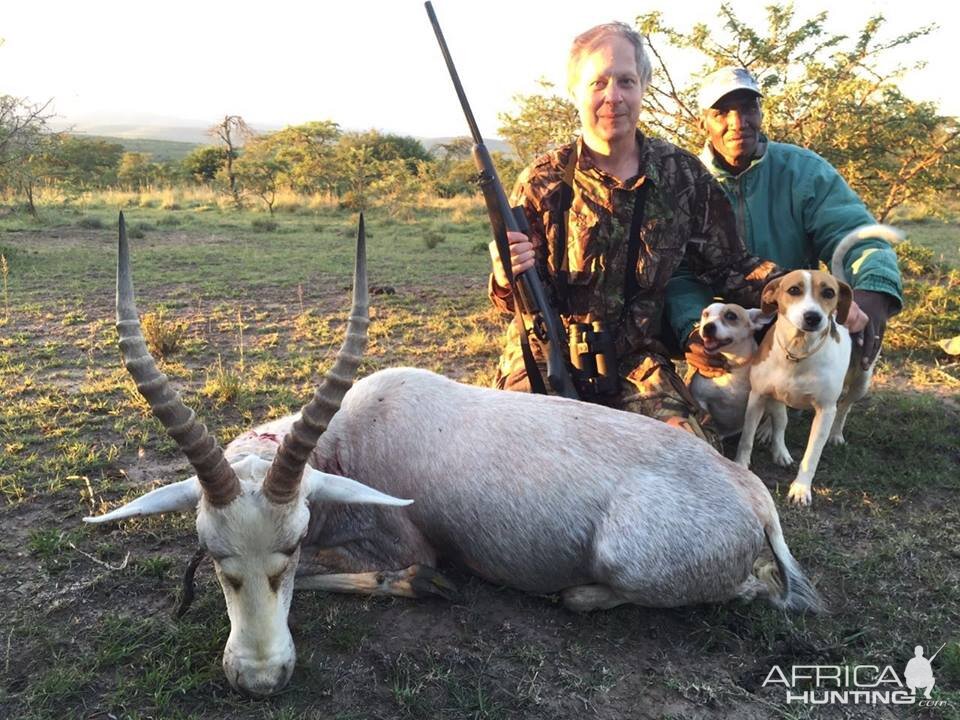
(543, 494)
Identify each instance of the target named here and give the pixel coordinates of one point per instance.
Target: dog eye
(828, 293)
(730, 316)
(795, 290)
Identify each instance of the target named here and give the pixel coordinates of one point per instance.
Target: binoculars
(594, 357)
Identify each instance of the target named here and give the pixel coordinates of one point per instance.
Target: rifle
(528, 290)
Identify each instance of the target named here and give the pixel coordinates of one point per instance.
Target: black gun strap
(559, 250)
(633, 246)
(529, 362)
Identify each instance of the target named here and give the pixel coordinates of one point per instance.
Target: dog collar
(795, 357)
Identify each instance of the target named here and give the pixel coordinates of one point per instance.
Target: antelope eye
(795, 290)
(730, 316)
(235, 582)
(829, 293)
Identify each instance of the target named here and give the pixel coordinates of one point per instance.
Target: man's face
(606, 90)
(733, 126)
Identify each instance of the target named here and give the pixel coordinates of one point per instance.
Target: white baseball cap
(723, 82)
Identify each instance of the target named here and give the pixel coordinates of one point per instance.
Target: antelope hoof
(426, 581)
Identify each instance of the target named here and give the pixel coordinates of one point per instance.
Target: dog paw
(781, 456)
(799, 494)
(837, 440)
(743, 461)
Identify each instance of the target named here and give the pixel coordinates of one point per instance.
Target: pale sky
(361, 63)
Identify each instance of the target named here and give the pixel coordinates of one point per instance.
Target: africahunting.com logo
(859, 684)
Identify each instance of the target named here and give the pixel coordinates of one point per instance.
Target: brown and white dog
(727, 329)
(808, 361)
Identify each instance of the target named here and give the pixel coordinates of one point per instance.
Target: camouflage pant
(653, 389)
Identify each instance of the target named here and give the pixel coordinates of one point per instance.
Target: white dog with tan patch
(727, 329)
(807, 361)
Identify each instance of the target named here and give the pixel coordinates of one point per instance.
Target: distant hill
(168, 138)
(144, 127)
(493, 144)
(159, 150)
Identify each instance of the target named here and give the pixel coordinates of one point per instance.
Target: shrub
(163, 335)
(90, 223)
(264, 225)
(915, 260)
(432, 238)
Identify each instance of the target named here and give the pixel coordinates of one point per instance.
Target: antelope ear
(252, 468)
(768, 299)
(323, 487)
(175, 497)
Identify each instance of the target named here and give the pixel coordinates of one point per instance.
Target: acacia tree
(204, 163)
(307, 153)
(23, 129)
(258, 170)
(136, 170)
(21, 122)
(232, 132)
(363, 159)
(825, 91)
(32, 167)
(544, 120)
(821, 90)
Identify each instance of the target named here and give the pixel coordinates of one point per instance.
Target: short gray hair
(587, 41)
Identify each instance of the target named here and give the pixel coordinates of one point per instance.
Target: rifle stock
(529, 291)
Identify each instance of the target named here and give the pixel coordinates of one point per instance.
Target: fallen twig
(107, 565)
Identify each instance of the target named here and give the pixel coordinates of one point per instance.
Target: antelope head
(252, 513)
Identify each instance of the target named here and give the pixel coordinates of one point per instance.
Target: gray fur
(544, 494)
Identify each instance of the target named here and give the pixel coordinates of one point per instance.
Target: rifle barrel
(474, 130)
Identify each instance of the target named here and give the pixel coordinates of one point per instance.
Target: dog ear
(768, 300)
(843, 302)
(759, 319)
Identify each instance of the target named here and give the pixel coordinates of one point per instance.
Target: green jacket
(792, 207)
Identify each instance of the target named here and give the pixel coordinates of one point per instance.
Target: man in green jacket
(791, 206)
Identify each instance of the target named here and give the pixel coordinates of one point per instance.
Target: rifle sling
(633, 249)
(537, 384)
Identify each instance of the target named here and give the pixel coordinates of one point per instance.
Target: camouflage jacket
(687, 217)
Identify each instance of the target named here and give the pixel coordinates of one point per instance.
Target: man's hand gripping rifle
(528, 290)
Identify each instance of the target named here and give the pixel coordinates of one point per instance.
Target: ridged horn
(282, 484)
(218, 480)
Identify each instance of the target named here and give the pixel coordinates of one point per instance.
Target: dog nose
(708, 330)
(811, 319)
